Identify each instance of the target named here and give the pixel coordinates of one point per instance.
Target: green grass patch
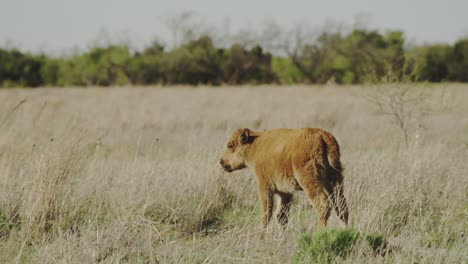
(332, 245)
(377, 242)
(325, 246)
(6, 225)
(240, 216)
(440, 239)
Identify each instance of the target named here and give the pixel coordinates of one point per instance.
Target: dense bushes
(438, 63)
(344, 58)
(18, 69)
(351, 58)
(101, 66)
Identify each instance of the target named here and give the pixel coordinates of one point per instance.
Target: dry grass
(131, 174)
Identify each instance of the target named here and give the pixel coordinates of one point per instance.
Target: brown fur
(285, 160)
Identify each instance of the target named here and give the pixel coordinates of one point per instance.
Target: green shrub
(351, 58)
(286, 71)
(458, 66)
(247, 66)
(147, 67)
(197, 62)
(19, 69)
(50, 71)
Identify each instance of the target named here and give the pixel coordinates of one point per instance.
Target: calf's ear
(245, 136)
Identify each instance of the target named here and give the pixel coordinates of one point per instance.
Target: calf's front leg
(266, 200)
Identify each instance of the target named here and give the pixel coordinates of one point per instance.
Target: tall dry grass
(131, 174)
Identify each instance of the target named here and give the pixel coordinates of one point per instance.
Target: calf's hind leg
(308, 179)
(339, 201)
(336, 191)
(283, 214)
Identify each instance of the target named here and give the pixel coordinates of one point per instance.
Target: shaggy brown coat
(285, 160)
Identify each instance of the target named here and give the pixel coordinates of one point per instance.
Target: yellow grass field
(131, 175)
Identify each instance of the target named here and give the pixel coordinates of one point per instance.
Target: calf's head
(235, 154)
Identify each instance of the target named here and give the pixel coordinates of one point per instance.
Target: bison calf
(285, 160)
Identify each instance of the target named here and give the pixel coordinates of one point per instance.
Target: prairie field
(131, 174)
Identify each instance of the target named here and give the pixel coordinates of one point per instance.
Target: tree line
(351, 58)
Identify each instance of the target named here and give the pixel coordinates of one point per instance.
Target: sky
(53, 26)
